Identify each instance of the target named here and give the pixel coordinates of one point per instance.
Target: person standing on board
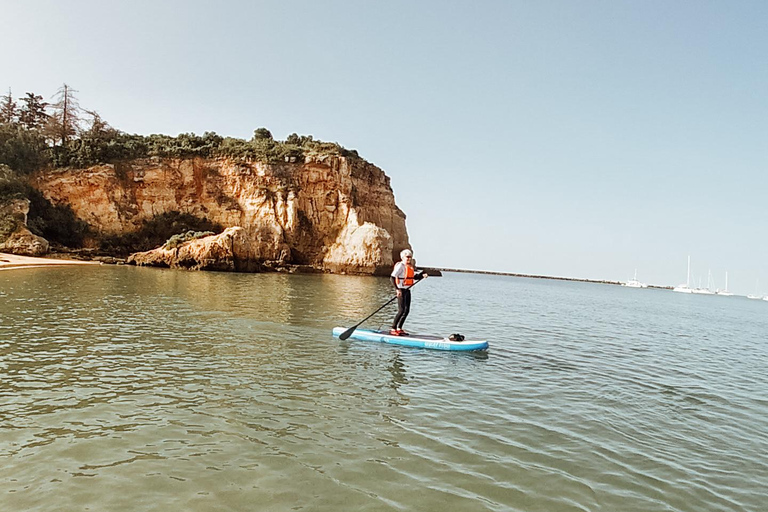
(403, 277)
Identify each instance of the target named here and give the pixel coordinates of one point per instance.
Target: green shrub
(22, 150)
(177, 240)
(11, 187)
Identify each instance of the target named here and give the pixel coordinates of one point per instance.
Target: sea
(137, 389)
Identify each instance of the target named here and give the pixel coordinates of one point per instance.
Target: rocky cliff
(331, 212)
(14, 234)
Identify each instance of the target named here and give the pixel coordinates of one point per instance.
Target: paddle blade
(346, 334)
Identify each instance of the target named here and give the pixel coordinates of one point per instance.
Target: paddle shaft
(346, 334)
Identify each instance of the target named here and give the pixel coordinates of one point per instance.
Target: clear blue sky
(567, 138)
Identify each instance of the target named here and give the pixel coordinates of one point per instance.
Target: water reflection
(397, 369)
(278, 298)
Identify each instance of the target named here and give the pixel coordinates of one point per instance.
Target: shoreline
(533, 276)
(13, 262)
(512, 274)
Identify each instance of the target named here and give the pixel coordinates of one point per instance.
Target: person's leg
(401, 310)
(405, 307)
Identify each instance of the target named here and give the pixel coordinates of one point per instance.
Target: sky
(584, 139)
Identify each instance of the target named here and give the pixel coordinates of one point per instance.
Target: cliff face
(330, 212)
(14, 235)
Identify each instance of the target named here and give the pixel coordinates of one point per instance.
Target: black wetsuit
(403, 302)
(403, 308)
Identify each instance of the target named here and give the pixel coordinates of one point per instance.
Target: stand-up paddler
(403, 277)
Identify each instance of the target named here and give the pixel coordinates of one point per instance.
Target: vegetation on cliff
(177, 240)
(35, 134)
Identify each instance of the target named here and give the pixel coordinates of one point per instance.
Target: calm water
(144, 389)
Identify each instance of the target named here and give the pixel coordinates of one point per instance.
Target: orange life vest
(408, 281)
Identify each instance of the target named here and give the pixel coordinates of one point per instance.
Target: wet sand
(12, 261)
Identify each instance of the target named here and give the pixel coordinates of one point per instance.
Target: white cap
(405, 252)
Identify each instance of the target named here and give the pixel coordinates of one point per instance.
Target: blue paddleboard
(413, 340)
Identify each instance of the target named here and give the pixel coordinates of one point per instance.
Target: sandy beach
(12, 261)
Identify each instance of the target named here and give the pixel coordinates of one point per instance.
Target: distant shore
(12, 261)
(532, 276)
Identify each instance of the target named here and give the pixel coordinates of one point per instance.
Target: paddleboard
(413, 340)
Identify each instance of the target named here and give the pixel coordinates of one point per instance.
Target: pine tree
(65, 121)
(9, 110)
(32, 114)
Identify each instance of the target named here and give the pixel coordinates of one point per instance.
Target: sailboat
(634, 283)
(685, 288)
(725, 292)
(705, 291)
(757, 288)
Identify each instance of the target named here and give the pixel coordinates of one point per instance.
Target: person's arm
(395, 276)
(394, 283)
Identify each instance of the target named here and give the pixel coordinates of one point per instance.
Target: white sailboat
(685, 288)
(757, 288)
(705, 291)
(725, 292)
(634, 283)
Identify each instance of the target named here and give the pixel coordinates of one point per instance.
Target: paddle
(346, 334)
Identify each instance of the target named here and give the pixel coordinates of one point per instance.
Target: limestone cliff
(14, 235)
(330, 212)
